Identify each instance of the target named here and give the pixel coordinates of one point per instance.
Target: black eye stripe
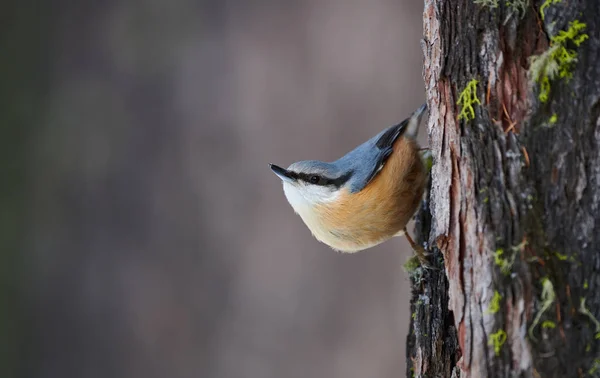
(322, 180)
(306, 177)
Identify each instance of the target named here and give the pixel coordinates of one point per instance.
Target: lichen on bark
(513, 203)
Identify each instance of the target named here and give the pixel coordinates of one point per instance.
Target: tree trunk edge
(541, 212)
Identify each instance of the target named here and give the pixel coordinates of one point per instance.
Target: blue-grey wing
(366, 160)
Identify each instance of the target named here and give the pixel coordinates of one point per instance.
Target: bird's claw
(420, 253)
(423, 257)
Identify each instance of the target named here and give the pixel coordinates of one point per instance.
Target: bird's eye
(314, 179)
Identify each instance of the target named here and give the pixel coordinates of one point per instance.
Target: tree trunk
(512, 219)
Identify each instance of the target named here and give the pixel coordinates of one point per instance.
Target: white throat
(307, 196)
(304, 198)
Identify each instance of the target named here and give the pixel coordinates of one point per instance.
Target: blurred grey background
(141, 231)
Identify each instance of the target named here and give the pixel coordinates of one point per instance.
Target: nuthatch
(367, 196)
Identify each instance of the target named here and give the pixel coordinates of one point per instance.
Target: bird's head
(310, 182)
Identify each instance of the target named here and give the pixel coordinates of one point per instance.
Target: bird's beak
(283, 173)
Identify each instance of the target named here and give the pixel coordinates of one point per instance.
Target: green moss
(498, 256)
(498, 339)
(574, 34)
(585, 311)
(553, 119)
(427, 159)
(487, 3)
(558, 60)
(468, 98)
(412, 265)
(548, 297)
(585, 284)
(518, 7)
(504, 263)
(595, 367)
(546, 5)
(561, 257)
(494, 303)
(548, 324)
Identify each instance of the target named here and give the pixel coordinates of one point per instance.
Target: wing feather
(366, 160)
(385, 144)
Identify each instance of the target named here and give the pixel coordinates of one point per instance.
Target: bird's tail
(412, 129)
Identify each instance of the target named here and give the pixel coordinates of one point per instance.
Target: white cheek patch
(319, 194)
(305, 197)
(303, 200)
(294, 197)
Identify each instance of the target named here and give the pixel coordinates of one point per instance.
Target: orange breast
(383, 207)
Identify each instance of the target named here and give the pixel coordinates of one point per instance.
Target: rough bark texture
(514, 199)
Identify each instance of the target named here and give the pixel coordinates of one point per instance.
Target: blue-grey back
(363, 161)
(359, 166)
(366, 160)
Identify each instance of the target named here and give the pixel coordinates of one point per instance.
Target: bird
(367, 196)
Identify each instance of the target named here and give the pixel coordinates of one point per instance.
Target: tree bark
(512, 217)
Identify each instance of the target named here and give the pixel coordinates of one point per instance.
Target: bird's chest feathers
(346, 222)
(358, 220)
(310, 206)
(360, 212)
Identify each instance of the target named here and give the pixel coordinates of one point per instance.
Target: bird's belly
(360, 224)
(347, 241)
(362, 227)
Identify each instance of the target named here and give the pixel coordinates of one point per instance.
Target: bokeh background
(141, 231)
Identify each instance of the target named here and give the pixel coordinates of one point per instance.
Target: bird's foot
(423, 258)
(421, 255)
